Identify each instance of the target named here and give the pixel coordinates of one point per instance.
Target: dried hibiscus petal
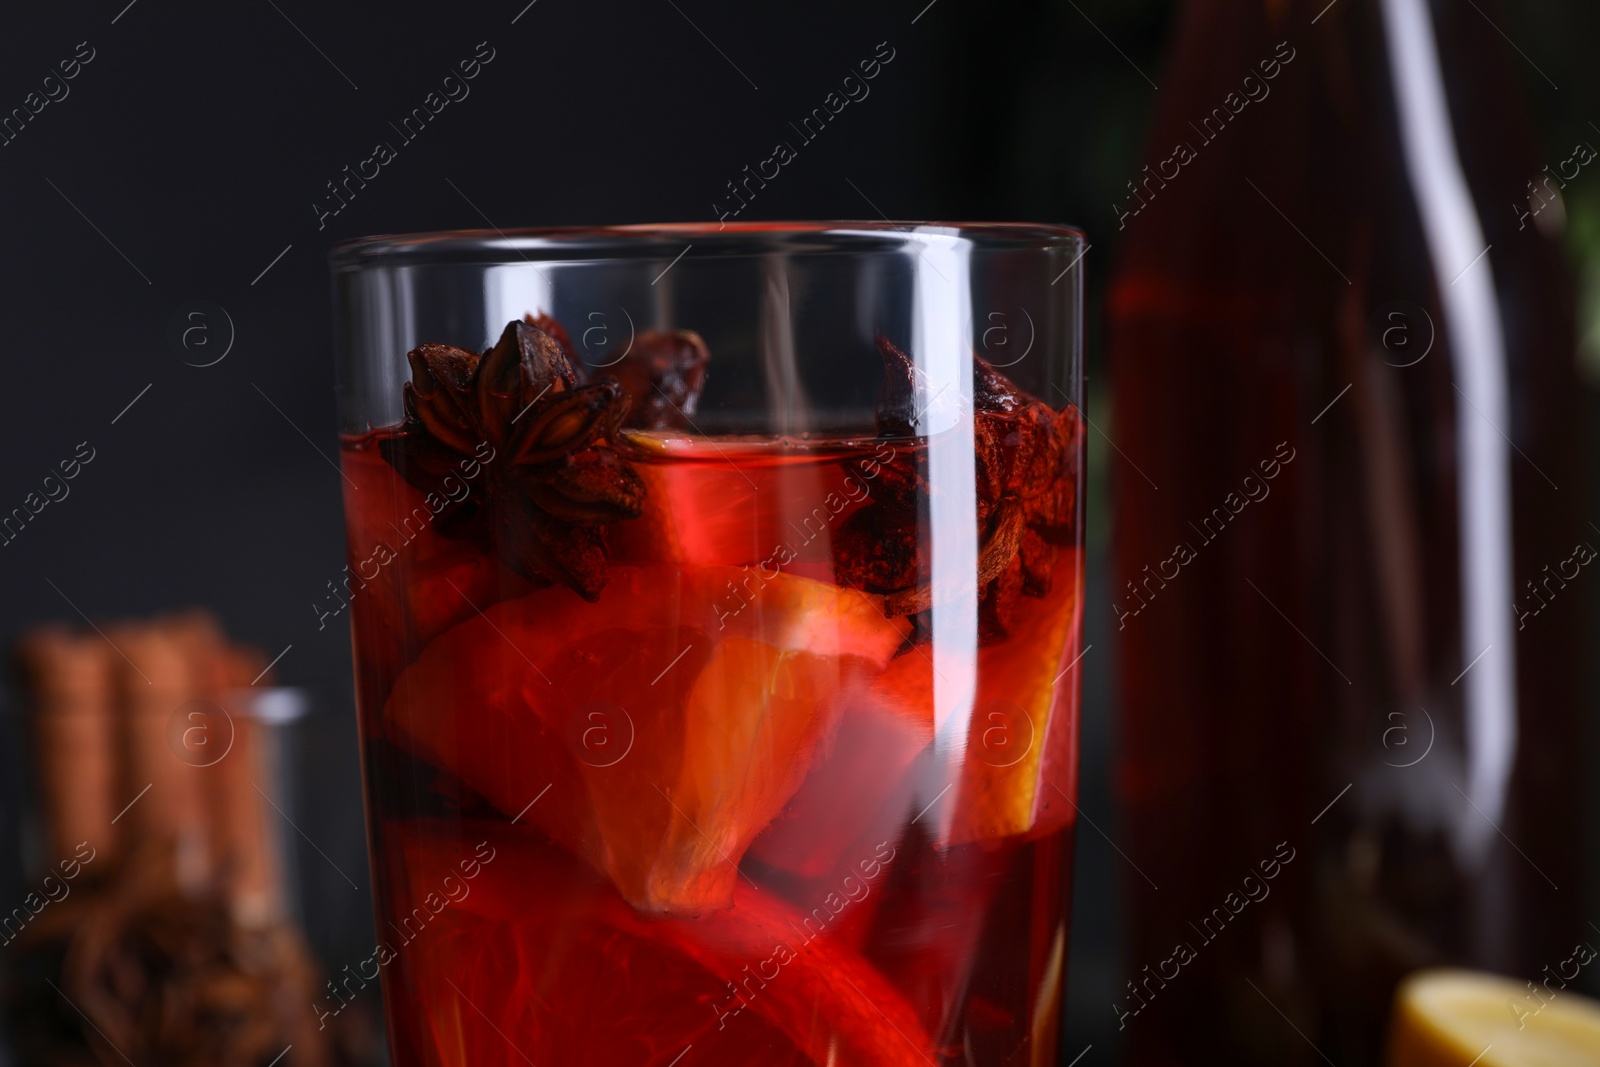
(1024, 454)
(662, 374)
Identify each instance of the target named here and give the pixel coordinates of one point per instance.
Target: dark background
(191, 150)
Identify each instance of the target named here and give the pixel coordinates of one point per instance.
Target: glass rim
(651, 240)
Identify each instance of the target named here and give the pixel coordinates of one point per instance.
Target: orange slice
(859, 794)
(1017, 771)
(540, 962)
(406, 583)
(654, 732)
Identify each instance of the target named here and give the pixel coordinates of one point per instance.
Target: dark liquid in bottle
(1298, 601)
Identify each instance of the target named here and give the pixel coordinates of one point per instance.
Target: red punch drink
(694, 748)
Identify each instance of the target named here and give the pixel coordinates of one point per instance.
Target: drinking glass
(716, 596)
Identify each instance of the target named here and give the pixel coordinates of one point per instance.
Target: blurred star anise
(1025, 456)
(550, 480)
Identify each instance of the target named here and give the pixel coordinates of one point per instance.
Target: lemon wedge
(1452, 1018)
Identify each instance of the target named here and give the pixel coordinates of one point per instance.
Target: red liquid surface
(708, 818)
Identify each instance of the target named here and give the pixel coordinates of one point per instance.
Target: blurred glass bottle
(1349, 661)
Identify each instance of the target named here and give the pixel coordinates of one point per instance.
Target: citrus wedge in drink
(1013, 773)
(539, 962)
(654, 732)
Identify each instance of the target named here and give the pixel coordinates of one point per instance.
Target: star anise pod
(550, 480)
(558, 333)
(661, 373)
(168, 974)
(1025, 459)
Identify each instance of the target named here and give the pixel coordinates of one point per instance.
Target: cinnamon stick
(154, 688)
(69, 679)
